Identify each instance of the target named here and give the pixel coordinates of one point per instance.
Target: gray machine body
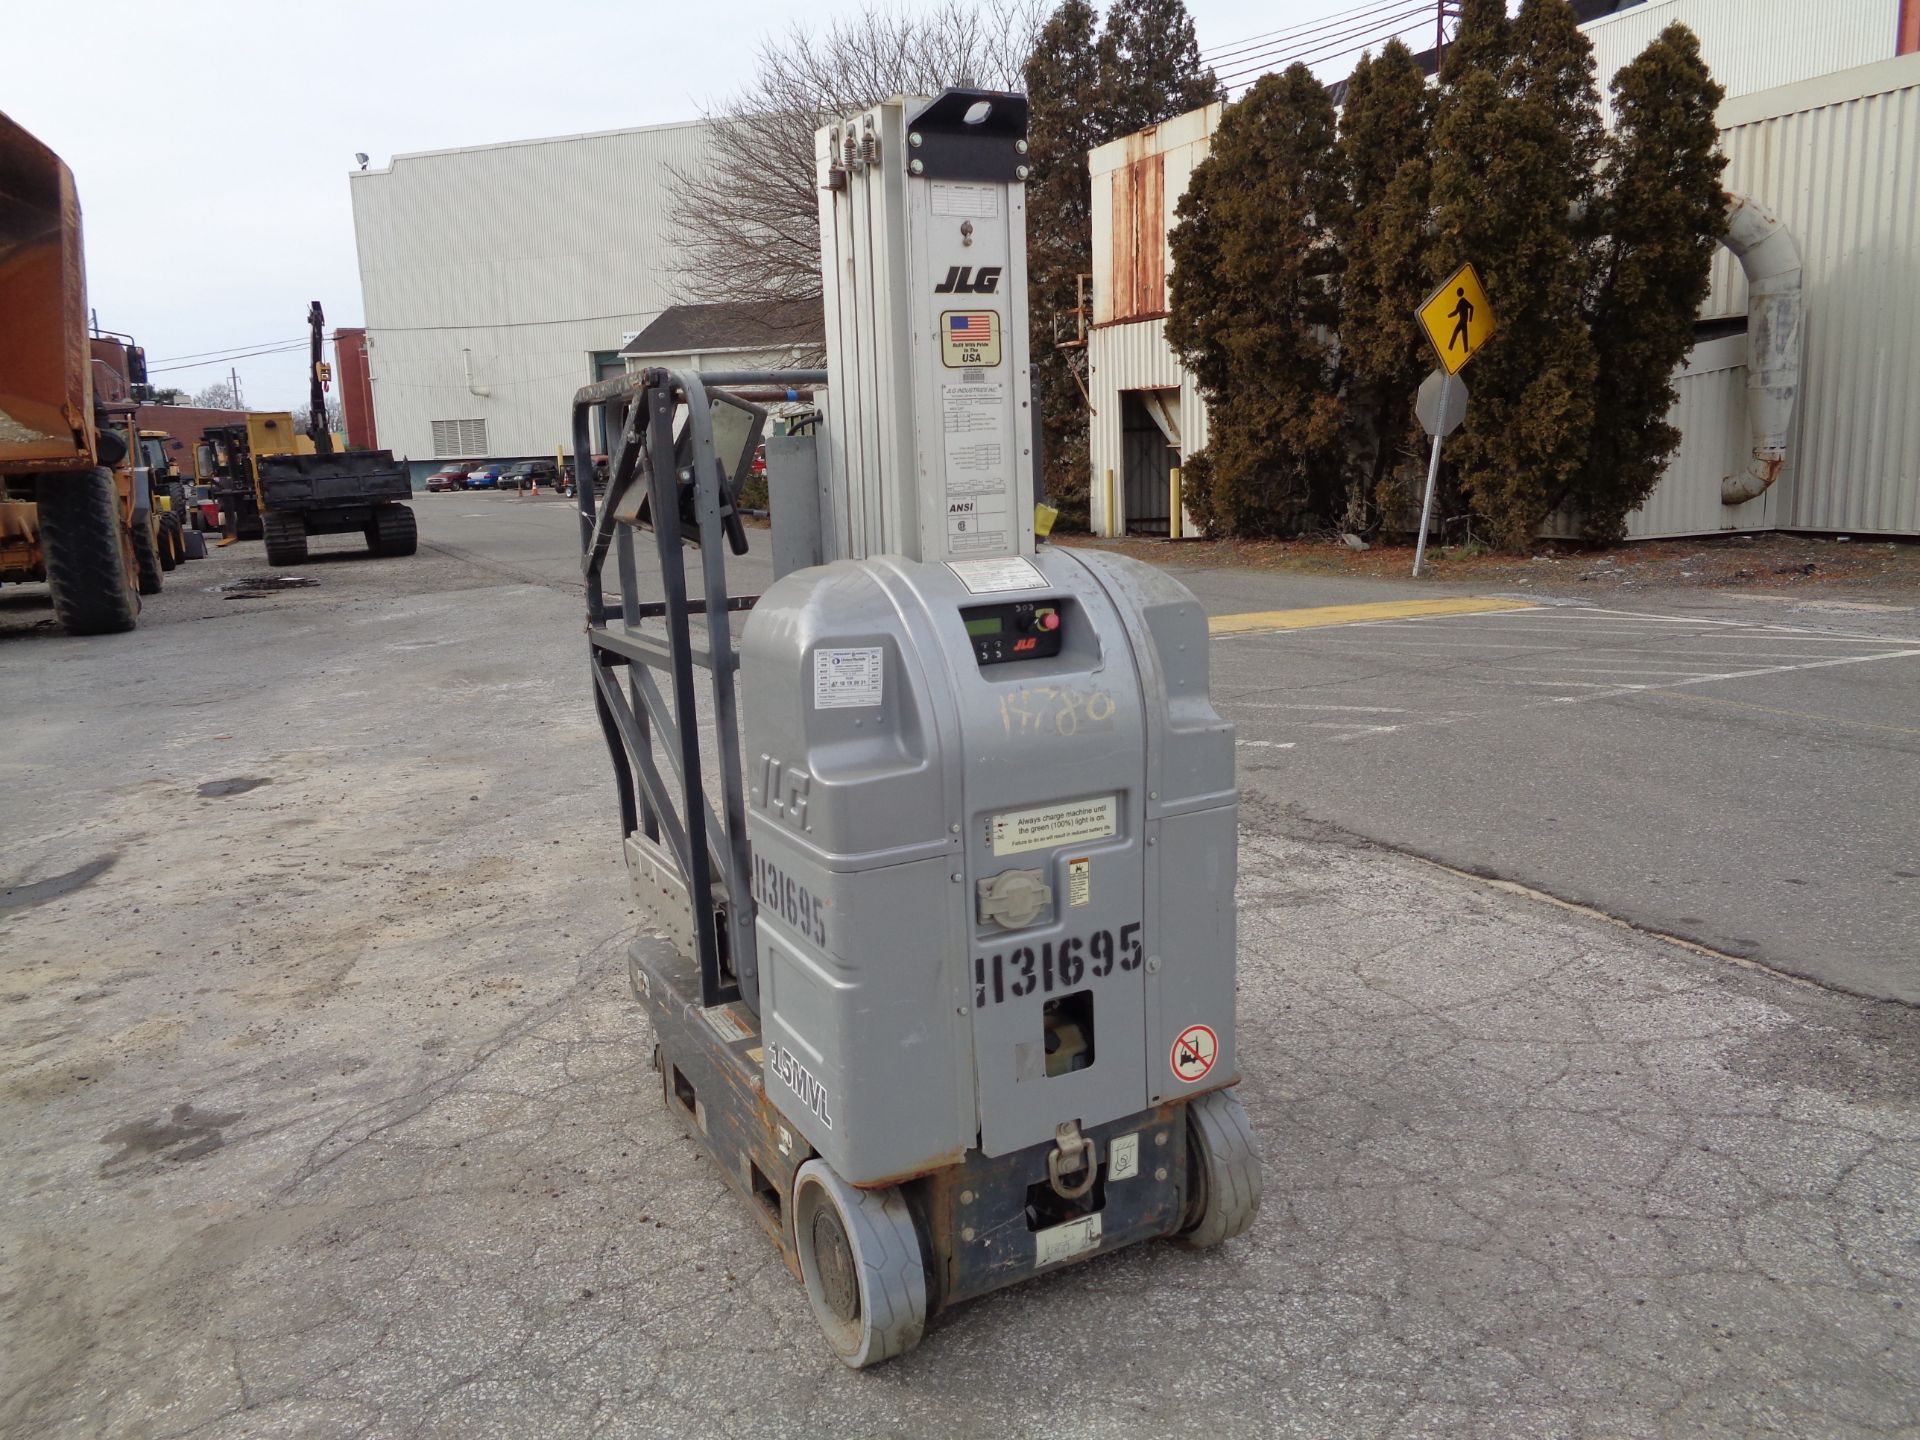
(946, 846)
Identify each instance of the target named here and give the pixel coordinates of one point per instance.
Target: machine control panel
(1015, 630)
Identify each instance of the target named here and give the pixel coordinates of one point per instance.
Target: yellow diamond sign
(1458, 319)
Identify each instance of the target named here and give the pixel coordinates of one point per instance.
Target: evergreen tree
(1065, 121)
(1254, 301)
(1482, 41)
(1143, 68)
(1150, 66)
(1663, 211)
(1509, 172)
(1382, 231)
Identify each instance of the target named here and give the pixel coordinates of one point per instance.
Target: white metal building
(498, 279)
(1828, 150)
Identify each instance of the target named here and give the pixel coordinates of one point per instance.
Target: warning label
(1123, 1157)
(1015, 830)
(1063, 1242)
(975, 449)
(848, 679)
(991, 577)
(1194, 1053)
(1079, 881)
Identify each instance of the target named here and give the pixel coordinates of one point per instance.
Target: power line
(228, 359)
(519, 324)
(225, 349)
(1329, 48)
(1280, 37)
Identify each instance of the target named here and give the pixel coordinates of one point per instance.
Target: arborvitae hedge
(1298, 263)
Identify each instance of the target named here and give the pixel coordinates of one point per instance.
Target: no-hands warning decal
(1194, 1053)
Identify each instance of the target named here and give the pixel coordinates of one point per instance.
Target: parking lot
(1752, 784)
(325, 1109)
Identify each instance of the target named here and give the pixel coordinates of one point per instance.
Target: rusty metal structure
(73, 506)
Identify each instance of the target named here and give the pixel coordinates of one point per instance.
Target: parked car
(448, 477)
(484, 477)
(525, 473)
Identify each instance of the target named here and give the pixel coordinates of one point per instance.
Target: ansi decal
(1053, 965)
(799, 1079)
(962, 281)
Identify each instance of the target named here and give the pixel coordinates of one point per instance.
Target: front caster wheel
(860, 1257)
(1223, 1171)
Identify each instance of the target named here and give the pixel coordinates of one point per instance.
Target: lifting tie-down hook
(1071, 1152)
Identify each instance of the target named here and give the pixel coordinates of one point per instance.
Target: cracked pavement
(326, 1111)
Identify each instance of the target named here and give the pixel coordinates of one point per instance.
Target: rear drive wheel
(146, 554)
(392, 531)
(286, 536)
(1223, 1171)
(860, 1257)
(163, 545)
(79, 519)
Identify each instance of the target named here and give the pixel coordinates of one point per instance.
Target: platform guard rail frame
(665, 475)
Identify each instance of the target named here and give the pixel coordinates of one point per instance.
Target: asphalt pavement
(325, 1109)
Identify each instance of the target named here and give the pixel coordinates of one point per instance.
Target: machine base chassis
(976, 1228)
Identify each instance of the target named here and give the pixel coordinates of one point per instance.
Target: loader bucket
(45, 384)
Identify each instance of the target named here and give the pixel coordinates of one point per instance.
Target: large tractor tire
(393, 531)
(164, 544)
(79, 519)
(146, 554)
(286, 537)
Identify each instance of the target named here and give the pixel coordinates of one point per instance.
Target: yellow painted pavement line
(1313, 617)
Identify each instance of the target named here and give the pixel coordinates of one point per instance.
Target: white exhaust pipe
(1771, 260)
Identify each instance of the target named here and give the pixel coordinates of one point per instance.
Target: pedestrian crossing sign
(1458, 319)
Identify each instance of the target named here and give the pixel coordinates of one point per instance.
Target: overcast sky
(211, 141)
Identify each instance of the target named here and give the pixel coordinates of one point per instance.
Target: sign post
(1460, 312)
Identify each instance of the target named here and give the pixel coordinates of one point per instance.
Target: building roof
(731, 325)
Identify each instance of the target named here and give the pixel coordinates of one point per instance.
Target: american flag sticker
(970, 337)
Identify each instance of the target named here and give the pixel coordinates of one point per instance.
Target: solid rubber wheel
(860, 1257)
(79, 520)
(286, 537)
(1223, 1171)
(146, 554)
(393, 531)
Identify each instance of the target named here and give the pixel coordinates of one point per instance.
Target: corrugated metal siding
(1845, 179)
(1131, 357)
(1753, 45)
(1137, 277)
(1137, 181)
(1711, 413)
(1838, 160)
(507, 251)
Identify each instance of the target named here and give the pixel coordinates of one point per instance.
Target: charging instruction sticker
(1015, 830)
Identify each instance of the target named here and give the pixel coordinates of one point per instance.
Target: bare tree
(755, 220)
(217, 396)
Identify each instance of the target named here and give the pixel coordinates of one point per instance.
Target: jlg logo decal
(961, 281)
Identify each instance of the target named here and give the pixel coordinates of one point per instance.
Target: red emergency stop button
(1049, 620)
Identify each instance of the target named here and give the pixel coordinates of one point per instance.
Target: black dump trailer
(334, 494)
